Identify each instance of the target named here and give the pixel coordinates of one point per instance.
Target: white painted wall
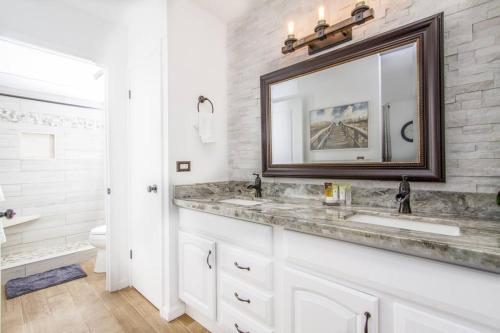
(55, 25)
(196, 66)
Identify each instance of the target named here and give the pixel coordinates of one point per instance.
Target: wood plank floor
(84, 305)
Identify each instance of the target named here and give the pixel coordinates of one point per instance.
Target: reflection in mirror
(362, 111)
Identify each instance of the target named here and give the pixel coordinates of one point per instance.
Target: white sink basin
(441, 229)
(241, 202)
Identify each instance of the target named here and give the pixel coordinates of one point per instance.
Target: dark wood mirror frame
(428, 34)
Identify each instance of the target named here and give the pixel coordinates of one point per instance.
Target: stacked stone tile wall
(472, 79)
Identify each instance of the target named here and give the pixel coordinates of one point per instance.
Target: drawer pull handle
(241, 299)
(238, 329)
(241, 267)
(208, 258)
(367, 316)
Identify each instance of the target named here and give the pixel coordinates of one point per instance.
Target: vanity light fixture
(326, 36)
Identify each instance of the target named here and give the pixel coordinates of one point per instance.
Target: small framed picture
(339, 127)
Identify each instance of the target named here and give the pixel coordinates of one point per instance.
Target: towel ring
(202, 99)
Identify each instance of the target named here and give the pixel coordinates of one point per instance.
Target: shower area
(52, 157)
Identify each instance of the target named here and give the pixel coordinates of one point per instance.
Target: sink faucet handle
(257, 185)
(257, 178)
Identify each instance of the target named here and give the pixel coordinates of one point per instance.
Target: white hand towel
(206, 126)
(3, 239)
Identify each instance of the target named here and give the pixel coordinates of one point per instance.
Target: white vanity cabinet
(411, 320)
(239, 286)
(197, 277)
(266, 279)
(313, 304)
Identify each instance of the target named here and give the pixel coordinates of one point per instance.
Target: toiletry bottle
(345, 194)
(328, 190)
(342, 192)
(335, 190)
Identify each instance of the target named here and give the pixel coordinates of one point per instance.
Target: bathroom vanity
(293, 265)
(287, 264)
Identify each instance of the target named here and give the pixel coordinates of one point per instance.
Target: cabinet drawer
(247, 266)
(233, 321)
(247, 299)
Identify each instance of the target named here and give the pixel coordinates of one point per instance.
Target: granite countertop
(477, 246)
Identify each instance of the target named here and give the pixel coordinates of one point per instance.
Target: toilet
(97, 238)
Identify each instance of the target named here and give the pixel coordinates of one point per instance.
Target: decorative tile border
(47, 119)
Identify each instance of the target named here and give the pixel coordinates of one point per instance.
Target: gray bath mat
(29, 284)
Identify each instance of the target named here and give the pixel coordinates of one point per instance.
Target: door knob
(153, 188)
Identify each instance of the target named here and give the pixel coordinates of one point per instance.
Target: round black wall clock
(407, 131)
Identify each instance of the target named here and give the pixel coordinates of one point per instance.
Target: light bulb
(291, 28)
(321, 13)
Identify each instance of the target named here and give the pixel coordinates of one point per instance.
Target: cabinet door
(197, 278)
(317, 305)
(409, 320)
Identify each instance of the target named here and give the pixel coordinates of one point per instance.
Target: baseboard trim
(210, 324)
(170, 313)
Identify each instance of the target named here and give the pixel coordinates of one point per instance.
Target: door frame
(107, 178)
(32, 95)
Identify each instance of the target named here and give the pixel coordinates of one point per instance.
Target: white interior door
(146, 163)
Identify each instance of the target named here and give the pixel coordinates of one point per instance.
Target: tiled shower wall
(472, 79)
(67, 191)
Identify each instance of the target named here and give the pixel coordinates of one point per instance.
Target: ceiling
(110, 10)
(228, 10)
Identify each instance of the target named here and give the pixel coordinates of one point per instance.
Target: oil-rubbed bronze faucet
(403, 196)
(257, 185)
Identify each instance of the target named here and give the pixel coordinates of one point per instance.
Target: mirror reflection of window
(362, 111)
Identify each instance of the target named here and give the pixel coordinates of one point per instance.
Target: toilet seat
(99, 241)
(100, 230)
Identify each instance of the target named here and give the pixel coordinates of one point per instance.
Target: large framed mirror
(371, 110)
